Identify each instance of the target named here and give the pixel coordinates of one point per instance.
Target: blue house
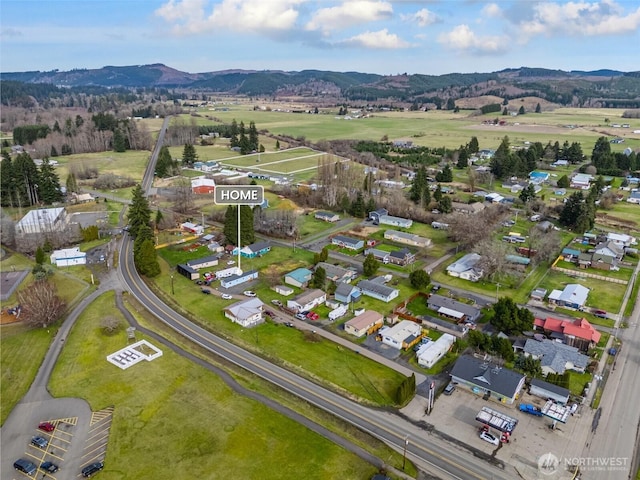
(299, 277)
(538, 177)
(234, 280)
(378, 290)
(254, 250)
(347, 242)
(346, 293)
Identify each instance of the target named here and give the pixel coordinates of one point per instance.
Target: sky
(385, 37)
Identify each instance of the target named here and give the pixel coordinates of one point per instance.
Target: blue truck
(530, 409)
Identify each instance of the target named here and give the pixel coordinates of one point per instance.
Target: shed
(546, 390)
(283, 290)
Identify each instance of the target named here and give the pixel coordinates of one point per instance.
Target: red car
(47, 427)
(313, 316)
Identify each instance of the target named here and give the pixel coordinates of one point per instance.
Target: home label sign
(238, 195)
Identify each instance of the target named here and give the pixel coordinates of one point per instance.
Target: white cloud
(350, 13)
(462, 38)
(381, 39)
(580, 18)
(423, 17)
(492, 10)
(251, 16)
(10, 32)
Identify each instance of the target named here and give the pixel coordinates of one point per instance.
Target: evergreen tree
(253, 137)
(419, 192)
(247, 232)
(505, 112)
(158, 219)
(357, 206)
(463, 158)
(165, 166)
(233, 132)
(446, 175)
(370, 265)
(139, 214)
(319, 278)
(419, 279)
(521, 110)
(7, 182)
(119, 141)
(189, 156)
(147, 261)
(277, 144)
(40, 256)
(511, 319)
(474, 146)
(528, 193)
(26, 176)
(49, 184)
(230, 228)
(437, 195)
(54, 152)
(563, 182)
(445, 205)
(370, 206)
(538, 108)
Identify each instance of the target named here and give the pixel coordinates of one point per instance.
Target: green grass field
(173, 419)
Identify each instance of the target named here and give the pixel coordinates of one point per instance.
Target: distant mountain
(579, 88)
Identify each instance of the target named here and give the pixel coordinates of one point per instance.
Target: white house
(68, 257)
(247, 313)
(465, 268)
(574, 295)
(307, 300)
(634, 197)
(407, 238)
(402, 335)
(192, 228)
(431, 352)
(338, 312)
(621, 239)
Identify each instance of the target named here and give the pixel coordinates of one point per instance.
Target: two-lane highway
(428, 452)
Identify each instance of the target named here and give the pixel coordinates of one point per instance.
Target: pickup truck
(530, 409)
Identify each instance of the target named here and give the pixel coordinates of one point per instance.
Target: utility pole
(404, 453)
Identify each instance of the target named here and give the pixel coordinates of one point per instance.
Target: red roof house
(578, 333)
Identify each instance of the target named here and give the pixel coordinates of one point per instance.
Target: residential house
(283, 290)
(539, 294)
(202, 185)
(186, 271)
(402, 257)
(204, 262)
(80, 197)
(538, 177)
(247, 313)
(395, 221)
(307, 300)
(376, 214)
(407, 238)
(238, 279)
(610, 249)
(336, 273)
(570, 254)
(429, 353)
(577, 333)
(378, 290)
(483, 378)
(581, 181)
(451, 308)
(215, 247)
(403, 335)
(547, 390)
(380, 255)
(346, 293)
(467, 208)
(347, 242)
(634, 197)
(555, 357)
(257, 249)
(364, 324)
(465, 268)
(44, 220)
(622, 239)
(209, 166)
(573, 296)
(67, 257)
(338, 312)
(493, 198)
(192, 228)
(327, 216)
(299, 277)
(486, 154)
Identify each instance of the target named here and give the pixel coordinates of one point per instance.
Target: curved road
(444, 460)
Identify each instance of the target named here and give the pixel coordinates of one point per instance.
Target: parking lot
(453, 419)
(70, 437)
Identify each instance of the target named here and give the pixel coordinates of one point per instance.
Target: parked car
(49, 467)
(448, 390)
(199, 282)
(530, 409)
(206, 291)
(46, 427)
(25, 466)
(289, 324)
(277, 303)
(92, 469)
(300, 316)
(313, 316)
(600, 313)
(269, 313)
(226, 296)
(231, 262)
(39, 442)
(249, 293)
(488, 437)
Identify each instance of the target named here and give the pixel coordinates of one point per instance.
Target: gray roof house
(484, 378)
(611, 249)
(345, 292)
(556, 357)
(336, 273)
(453, 309)
(465, 268)
(545, 390)
(347, 242)
(407, 238)
(378, 290)
(574, 295)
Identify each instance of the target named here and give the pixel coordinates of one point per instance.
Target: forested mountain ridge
(599, 88)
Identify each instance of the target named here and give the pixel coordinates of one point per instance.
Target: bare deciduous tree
(41, 305)
(493, 259)
(110, 324)
(183, 198)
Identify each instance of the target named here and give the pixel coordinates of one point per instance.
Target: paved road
(432, 456)
(616, 436)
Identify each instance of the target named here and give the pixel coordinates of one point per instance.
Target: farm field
(125, 164)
